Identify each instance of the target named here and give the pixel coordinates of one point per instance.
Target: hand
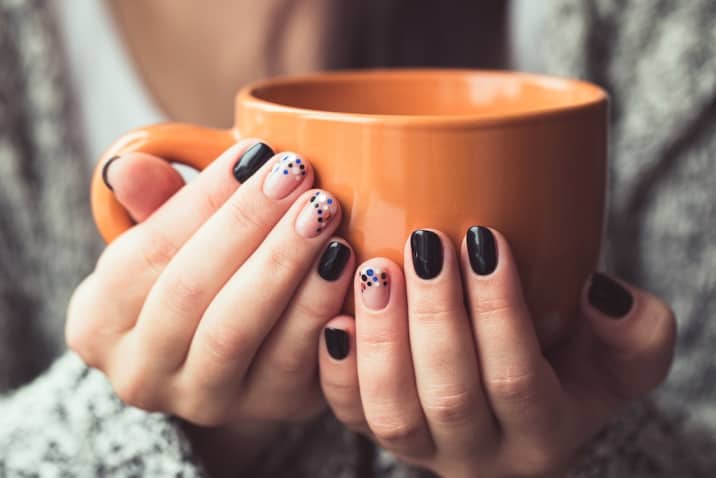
(212, 307)
(465, 390)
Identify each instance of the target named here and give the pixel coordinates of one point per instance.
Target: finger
(631, 336)
(339, 373)
(142, 252)
(385, 368)
(285, 367)
(141, 182)
(443, 348)
(133, 261)
(156, 240)
(241, 315)
(521, 386)
(207, 261)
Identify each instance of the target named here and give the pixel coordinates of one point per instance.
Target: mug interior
(436, 93)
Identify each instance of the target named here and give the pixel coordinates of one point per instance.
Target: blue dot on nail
(285, 171)
(298, 161)
(330, 201)
(369, 272)
(375, 279)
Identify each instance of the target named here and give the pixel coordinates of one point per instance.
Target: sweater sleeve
(646, 441)
(69, 422)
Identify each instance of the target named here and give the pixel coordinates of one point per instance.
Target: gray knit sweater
(656, 57)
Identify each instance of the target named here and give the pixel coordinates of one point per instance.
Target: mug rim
(247, 97)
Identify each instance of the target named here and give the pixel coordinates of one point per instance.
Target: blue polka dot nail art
(372, 277)
(318, 213)
(290, 164)
(287, 172)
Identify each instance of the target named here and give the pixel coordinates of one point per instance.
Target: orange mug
(444, 149)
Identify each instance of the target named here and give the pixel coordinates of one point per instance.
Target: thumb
(633, 336)
(141, 182)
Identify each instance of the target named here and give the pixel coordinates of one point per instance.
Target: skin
(172, 316)
(212, 307)
(465, 390)
(235, 33)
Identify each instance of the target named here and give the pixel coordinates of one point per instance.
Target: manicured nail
(609, 297)
(317, 214)
(333, 261)
(427, 254)
(338, 343)
(482, 250)
(250, 162)
(105, 170)
(287, 172)
(374, 287)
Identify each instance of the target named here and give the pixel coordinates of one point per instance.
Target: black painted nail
(427, 253)
(337, 343)
(333, 260)
(105, 168)
(251, 161)
(609, 297)
(482, 250)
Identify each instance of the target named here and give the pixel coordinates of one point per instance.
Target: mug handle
(194, 146)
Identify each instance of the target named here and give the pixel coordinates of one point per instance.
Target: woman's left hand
(461, 386)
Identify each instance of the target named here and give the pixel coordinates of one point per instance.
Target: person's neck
(192, 58)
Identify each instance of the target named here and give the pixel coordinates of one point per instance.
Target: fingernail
(318, 213)
(374, 287)
(337, 342)
(609, 297)
(333, 261)
(481, 250)
(250, 162)
(427, 252)
(286, 174)
(105, 170)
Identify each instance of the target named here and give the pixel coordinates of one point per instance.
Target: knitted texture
(656, 57)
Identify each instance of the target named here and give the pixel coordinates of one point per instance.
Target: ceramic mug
(444, 149)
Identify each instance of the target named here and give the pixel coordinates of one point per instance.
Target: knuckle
(341, 392)
(396, 434)
(513, 386)
(215, 198)
(180, 294)
(157, 251)
(427, 310)
(89, 328)
(245, 213)
(353, 420)
(224, 345)
(78, 337)
(322, 306)
(378, 340)
(537, 459)
(204, 411)
(293, 366)
(282, 261)
(134, 388)
(495, 306)
(79, 330)
(449, 407)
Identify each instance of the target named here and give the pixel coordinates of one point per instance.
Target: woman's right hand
(211, 307)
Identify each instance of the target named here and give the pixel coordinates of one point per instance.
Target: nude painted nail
(287, 172)
(318, 213)
(374, 287)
